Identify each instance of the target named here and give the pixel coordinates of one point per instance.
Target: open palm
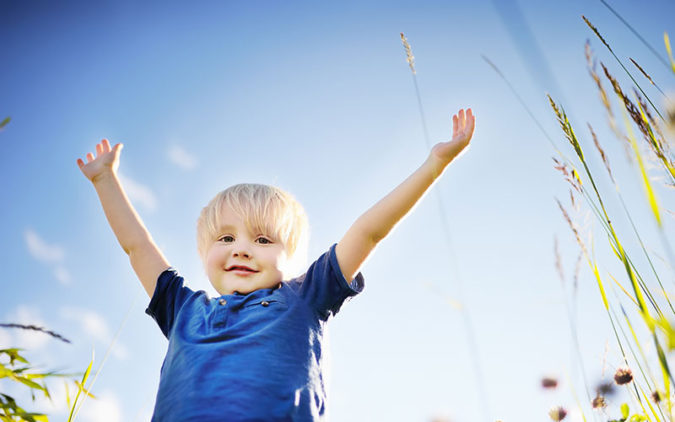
(106, 160)
(462, 130)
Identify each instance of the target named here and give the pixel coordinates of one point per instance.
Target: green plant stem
(637, 234)
(629, 74)
(466, 317)
(652, 49)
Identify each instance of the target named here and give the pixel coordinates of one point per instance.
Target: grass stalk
(646, 75)
(466, 317)
(105, 358)
(666, 41)
(648, 376)
(597, 33)
(637, 34)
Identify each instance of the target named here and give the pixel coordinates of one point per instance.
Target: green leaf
(4, 122)
(29, 383)
(666, 41)
(14, 355)
(625, 410)
(80, 386)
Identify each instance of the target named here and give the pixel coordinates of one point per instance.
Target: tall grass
(647, 312)
(17, 369)
(640, 310)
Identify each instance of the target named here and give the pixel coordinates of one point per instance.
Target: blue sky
(316, 97)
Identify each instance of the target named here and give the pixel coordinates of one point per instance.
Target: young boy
(253, 353)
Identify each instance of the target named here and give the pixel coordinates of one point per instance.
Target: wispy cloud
(105, 408)
(5, 339)
(58, 403)
(95, 326)
(41, 250)
(62, 275)
(181, 157)
(138, 193)
(48, 254)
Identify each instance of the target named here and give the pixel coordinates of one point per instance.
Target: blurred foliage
(18, 369)
(15, 367)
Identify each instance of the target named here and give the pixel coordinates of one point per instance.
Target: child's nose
(241, 249)
(242, 254)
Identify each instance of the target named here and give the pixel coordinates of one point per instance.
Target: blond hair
(265, 209)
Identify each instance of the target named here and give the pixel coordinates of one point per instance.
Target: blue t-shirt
(253, 357)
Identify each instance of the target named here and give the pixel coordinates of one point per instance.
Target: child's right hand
(106, 162)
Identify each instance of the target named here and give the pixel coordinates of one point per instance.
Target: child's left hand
(462, 130)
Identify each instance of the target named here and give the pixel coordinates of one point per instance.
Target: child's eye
(263, 240)
(226, 238)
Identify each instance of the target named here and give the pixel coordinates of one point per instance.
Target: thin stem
(652, 49)
(466, 317)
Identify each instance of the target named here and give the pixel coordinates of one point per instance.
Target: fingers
(464, 119)
(102, 147)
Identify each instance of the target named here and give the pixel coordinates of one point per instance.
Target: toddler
(255, 352)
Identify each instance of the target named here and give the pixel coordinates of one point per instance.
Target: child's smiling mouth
(241, 270)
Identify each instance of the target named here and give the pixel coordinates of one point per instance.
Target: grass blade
(666, 41)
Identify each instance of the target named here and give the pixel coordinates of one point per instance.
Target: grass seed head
(633, 111)
(408, 53)
(649, 78)
(557, 413)
(657, 144)
(623, 375)
(599, 402)
(571, 176)
(561, 273)
(36, 328)
(566, 127)
(573, 227)
(594, 29)
(577, 270)
(549, 383)
(598, 82)
(604, 389)
(657, 397)
(602, 152)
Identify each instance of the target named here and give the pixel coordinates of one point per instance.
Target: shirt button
(265, 303)
(222, 302)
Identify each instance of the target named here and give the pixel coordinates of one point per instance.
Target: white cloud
(58, 403)
(49, 254)
(144, 414)
(5, 338)
(42, 251)
(95, 326)
(105, 408)
(138, 193)
(62, 275)
(182, 158)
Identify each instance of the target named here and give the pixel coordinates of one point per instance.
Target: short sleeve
(324, 287)
(169, 296)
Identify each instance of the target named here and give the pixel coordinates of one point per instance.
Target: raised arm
(146, 259)
(374, 225)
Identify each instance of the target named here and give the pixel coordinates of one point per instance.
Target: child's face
(243, 261)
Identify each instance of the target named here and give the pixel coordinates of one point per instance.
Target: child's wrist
(435, 165)
(103, 177)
